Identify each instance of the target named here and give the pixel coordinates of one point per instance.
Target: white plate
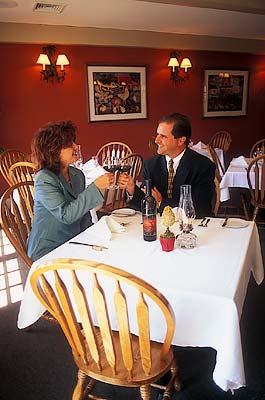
(236, 223)
(123, 212)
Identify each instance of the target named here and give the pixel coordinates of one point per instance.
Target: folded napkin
(92, 170)
(200, 145)
(239, 162)
(101, 231)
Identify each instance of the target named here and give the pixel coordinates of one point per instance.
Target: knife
(94, 246)
(225, 222)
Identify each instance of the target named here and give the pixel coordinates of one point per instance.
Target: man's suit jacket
(60, 211)
(194, 169)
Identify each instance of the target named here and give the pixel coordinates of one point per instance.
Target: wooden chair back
(257, 149)
(8, 158)
(17, 215)
(134, 160)
(113, 149)
(257, 185)
(114, 199)
(22, 171)
(152, 145)
(221, 140)
(95, 303)
(219, 169)
(219, 172)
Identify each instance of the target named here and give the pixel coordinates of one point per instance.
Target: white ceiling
(220, 18)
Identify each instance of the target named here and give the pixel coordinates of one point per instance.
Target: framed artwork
(225, 93)
(116, 93)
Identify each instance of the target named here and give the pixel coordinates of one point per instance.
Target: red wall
(26, 102)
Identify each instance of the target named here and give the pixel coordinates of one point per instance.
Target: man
(186, 168)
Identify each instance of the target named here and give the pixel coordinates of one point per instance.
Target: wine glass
(112, 164)
(186, 239)
(125, 166)
(79, 159)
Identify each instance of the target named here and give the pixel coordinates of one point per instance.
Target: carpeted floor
(37, 364)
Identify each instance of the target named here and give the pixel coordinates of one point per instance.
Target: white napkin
(92, 170)
(239, 162)
(200, 145)
(101, 231)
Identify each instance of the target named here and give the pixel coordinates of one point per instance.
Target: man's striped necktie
(170, 178)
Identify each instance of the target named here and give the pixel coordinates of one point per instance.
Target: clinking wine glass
(186, 239)
(112, 164)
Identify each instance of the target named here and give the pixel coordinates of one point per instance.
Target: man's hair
(48, 142)
(181, 125)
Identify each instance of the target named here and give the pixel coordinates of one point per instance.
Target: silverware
(206, 223)
(225, 222)
(94, 246)
(202, 221)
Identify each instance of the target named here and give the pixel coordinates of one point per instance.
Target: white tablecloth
(206, 286)
(204, 152)
(235, 176)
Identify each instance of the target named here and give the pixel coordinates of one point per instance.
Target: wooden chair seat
(138, 377)
(80, 295)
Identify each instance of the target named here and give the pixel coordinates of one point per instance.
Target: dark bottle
(149, 214)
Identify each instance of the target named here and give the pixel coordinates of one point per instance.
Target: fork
(202, 221)
(206, 223)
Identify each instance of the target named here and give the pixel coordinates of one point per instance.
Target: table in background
(204, 151)
(235, 176)
(205, 286)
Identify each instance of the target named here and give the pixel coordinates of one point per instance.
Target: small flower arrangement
(167, 239)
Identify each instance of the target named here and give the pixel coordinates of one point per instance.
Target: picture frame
(116, 92)
(225, 93)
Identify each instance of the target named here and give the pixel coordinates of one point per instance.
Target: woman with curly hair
(62, 204)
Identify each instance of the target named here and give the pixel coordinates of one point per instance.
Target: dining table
(206, 286)
(235, 176)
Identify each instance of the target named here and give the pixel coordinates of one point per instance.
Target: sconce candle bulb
(49, 71)
(176, 73)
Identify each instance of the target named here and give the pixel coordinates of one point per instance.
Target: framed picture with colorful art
(225, 93)
(116, 92)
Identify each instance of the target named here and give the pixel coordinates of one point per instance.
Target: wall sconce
(177, 75)
(49, 66)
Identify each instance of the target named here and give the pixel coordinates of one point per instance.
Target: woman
(61, 202)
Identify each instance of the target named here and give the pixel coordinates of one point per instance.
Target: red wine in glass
(125, 168)
(111, 168)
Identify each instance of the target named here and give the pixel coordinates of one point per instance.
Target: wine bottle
(149, 214)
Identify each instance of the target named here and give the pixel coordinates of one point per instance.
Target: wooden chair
(256, 186)
(22, 171)
(221, 140)
(79, 292)
(257, 149)
(135, 160)
(219, 172)
(152, 145)
(114, 199)
(113, 149)
(17, 215)
(8, 158)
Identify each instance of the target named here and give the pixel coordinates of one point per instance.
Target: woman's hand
(126, 181)
(104, 181)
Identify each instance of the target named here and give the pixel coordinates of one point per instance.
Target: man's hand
(126, 181)
(157, 195)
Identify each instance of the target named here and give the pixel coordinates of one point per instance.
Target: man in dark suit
(175, 159)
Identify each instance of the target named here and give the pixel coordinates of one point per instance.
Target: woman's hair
(48, 142)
